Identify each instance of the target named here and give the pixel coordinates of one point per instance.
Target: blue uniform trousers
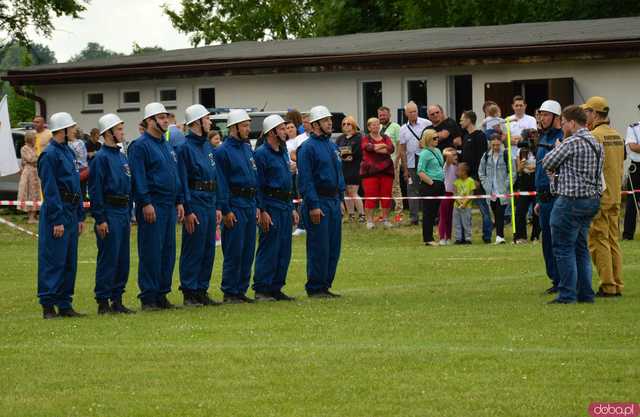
(198, 251)
(238, 247)
(323, 245)
(57, 259)
(156, 252)
(112, 270)
(274, 252)
(547, 241)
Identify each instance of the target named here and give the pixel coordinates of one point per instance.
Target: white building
(459, 68)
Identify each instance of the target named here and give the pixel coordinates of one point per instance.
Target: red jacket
(374, 163)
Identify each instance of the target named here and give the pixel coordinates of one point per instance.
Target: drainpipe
(41, 102)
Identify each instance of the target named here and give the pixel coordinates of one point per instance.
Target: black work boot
(203, 297)
(263, 296)
(190, 299)
(49, 312)
(69, 312)
(103, 307)
(164, 303)
(280, 296)
(146, 306)
(119, 308)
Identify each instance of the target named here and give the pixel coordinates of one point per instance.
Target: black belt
(202, 185)
(70, 198)
(243, 192)
(327, 192)
(117, 200)
(278, 194)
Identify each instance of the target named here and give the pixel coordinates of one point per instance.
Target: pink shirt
(449, 177)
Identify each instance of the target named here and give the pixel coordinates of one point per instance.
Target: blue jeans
(487, 223)
(570, 221)
(547, 241)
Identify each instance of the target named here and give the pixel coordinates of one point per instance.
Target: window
(371, 99)
(207, 97)
(130, 98)
(417, 92)
(167, 96)
(93, 101)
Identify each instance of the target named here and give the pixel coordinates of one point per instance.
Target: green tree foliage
(15, 55)
(93, 50)
(17, 16)
(213, 21)
(143, 50)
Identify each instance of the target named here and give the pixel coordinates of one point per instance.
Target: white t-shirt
(633, 136)
(408, 138)
(518, 125)
(298, 140)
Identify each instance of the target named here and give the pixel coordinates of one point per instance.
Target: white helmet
(59, 121)
(318, 113)
(153, 109)
(237, 116)
(551, 106)
(195, 112)
(271, 122)
(107, 122)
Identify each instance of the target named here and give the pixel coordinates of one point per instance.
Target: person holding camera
(526, 173)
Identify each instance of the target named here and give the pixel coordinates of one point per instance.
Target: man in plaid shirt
(575, 167)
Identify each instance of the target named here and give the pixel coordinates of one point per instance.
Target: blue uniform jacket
(237, 168)
(548, 138)
(109, 174)
(319, 166)
(57, 171)
(154, 166)
(196, 162)
(273, 172)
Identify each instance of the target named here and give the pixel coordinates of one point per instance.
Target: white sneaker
(370, 225)
(443, 242)
(298, 232)
(387, 224)
(500, 240)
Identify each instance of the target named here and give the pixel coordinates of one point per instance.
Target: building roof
(620, 33)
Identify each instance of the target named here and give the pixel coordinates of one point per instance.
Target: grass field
(450, 331)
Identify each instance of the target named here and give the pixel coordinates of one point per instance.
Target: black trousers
(430, 208)
(631, 210)
(522, 210)
(498, 215)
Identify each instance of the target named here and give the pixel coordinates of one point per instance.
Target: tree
(143, 50)
(15, 55)
(224, 21)
(16, 17)
(210, 21)
(94, 50)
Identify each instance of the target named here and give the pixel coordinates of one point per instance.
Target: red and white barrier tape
(15, 226)
(16, 203)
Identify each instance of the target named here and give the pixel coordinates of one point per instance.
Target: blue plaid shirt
(575, 166)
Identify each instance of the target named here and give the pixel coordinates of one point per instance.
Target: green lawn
(450, 331)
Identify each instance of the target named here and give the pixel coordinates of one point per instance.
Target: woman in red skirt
(377, 172)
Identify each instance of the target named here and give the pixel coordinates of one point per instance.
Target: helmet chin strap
(204, 131)
(163, 131)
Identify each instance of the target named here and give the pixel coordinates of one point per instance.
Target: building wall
(618, 81)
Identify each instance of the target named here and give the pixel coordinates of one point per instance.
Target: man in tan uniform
(605, 232)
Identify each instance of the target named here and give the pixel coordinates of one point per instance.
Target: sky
(115, 24)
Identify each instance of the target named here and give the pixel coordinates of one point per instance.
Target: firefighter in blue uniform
(199, 178)
(110, 193)
(238, 180)
(550, 111)
(61, 221)
(158, 201)
(322, 188)
(277, 215)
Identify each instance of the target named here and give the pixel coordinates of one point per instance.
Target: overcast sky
(115, 24)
